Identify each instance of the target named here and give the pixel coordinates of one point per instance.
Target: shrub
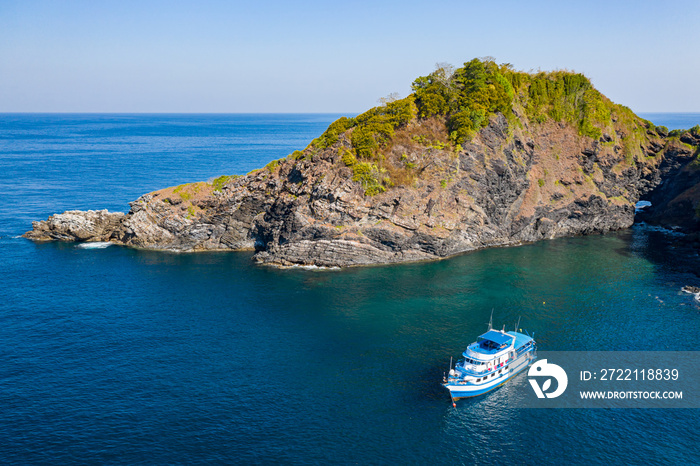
(468, 96)
(219, 182)
(434, 93)
(335, 129)
(347, 157)
(364, 140)
(570, 97)
(368, 175)
(272, 165)
(182, 192)
(377, 125)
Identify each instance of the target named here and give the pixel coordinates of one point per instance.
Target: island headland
(474, 157)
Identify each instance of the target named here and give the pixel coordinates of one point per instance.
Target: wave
(95, 245)
(692, 290)
(309, 267)
(9, 237)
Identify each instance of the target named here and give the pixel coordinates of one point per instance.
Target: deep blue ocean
(121, 356)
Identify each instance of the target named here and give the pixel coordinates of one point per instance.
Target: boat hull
(458, 391)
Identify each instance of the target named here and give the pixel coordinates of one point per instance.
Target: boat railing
(485, 370)
(462, 364)
(477, 348)
(527, 346)
(468, 368)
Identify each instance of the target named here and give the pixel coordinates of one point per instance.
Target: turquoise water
(116, 355)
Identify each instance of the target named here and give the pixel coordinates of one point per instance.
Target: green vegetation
(463, 100)
(368, 174)
(376, 126)
(662, 131)
(187, 190)
(347, 157)
(564, 96)
(430, 144)
(330, 136)
(540, 182)
(468, 96)
(184, 195)
(273, 165)
(218, 183)
(371, 129)
(369, 133)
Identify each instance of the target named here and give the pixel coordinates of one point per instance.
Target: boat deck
(520, 339)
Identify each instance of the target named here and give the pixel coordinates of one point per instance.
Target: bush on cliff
(470, 95)
(464, 99)
(467, 96)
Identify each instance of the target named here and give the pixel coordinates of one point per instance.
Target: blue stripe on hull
(459, 394)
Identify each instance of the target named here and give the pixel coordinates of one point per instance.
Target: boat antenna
(491, 320)
(518, 324)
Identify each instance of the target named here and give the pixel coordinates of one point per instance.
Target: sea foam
(95, 245)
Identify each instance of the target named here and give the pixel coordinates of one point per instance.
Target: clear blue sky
(326, 56)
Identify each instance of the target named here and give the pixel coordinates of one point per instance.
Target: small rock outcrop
(76, 225)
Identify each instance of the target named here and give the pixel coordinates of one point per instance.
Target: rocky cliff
(476, 157)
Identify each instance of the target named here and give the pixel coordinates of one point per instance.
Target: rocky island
(475, 157)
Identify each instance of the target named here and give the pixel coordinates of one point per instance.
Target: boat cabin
(494, 341)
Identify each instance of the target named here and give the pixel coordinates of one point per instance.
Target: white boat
(489, 362)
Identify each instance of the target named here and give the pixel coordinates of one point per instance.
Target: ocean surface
(112, 355)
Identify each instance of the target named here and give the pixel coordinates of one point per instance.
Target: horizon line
(178, 113)
(248, 113)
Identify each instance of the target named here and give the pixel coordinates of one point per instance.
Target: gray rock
(76, 225)
(509, 185)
